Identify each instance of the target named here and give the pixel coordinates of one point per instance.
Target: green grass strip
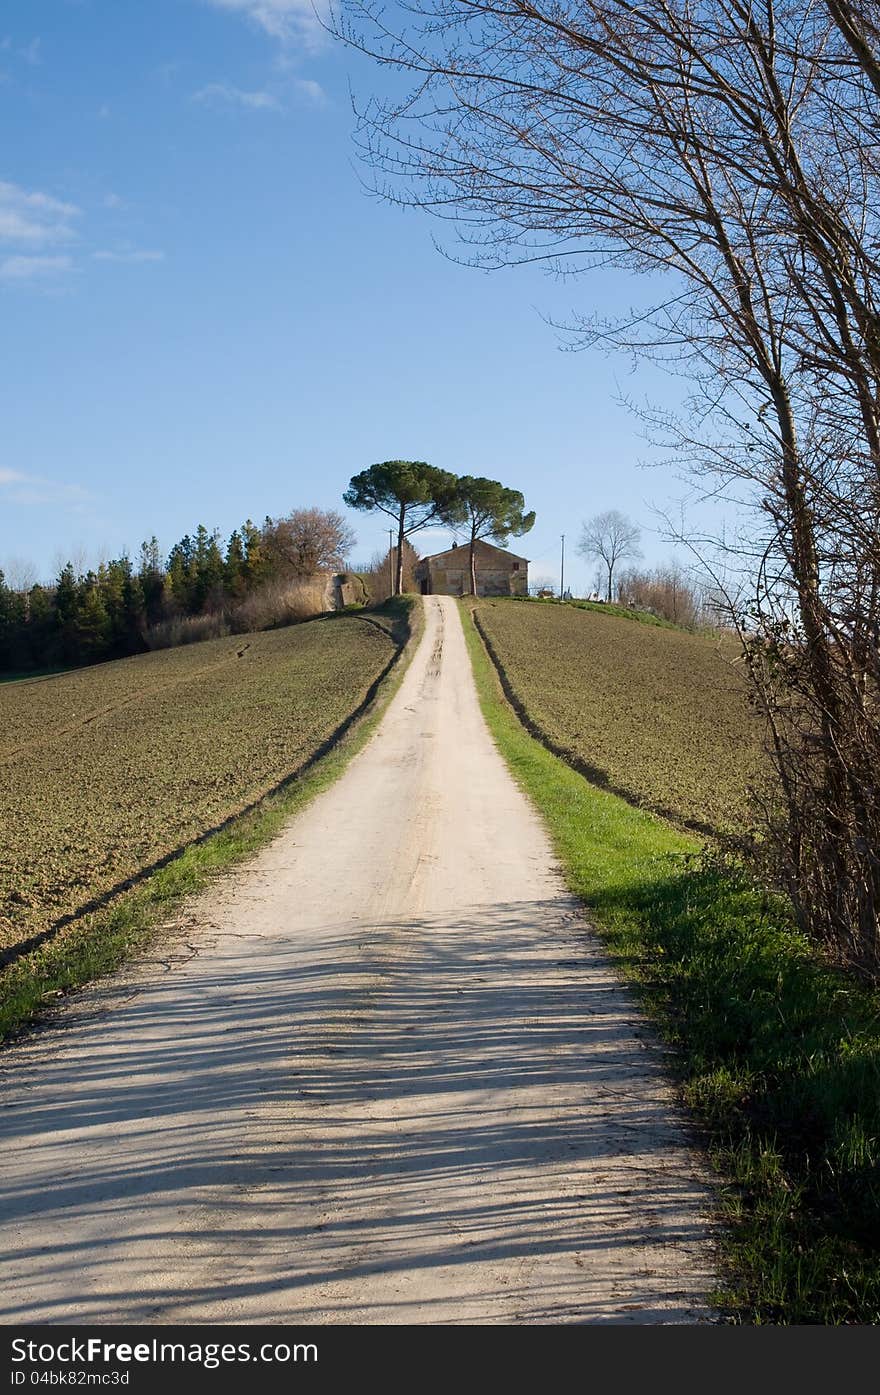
(96, 944)
(778, 1054)
(622, 612)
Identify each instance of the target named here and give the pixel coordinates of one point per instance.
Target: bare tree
(308, 541)
(668, 592)
(609, 537)
(731, 148)
(21, 574)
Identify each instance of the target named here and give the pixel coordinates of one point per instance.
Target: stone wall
(491, 581)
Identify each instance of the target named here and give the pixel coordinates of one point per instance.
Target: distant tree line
(261, 575)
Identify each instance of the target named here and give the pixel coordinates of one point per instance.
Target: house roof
(481, 546)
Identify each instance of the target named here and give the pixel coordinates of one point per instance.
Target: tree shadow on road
(405, 1098)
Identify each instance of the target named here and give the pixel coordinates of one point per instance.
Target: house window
(516, 566)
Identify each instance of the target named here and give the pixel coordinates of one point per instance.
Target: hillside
(656, 714)
(109, 769)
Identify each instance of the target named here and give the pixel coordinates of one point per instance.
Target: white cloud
(32, 223)
(18, 269)
(225, 92)
(33, 218)
(135, 255)
(312, 90)
(34, 489)
(283, 19)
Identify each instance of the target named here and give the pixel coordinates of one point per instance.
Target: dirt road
(386, 1077)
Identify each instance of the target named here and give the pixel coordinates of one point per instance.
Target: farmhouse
(499, 573)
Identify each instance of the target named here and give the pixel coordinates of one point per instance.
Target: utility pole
(391, 561)
(562, 571)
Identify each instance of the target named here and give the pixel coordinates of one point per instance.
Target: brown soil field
(109, 769)
(656, 714)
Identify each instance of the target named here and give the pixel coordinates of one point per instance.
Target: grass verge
(97, 943)
(642, 617)
(778, 1055)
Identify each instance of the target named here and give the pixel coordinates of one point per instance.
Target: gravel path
(385, 1076)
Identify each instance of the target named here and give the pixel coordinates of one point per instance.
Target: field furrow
(107, 770)
(658, 715)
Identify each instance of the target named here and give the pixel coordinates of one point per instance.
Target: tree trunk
(472, 566)
(398, 570)
(610, 570)
(854, 33)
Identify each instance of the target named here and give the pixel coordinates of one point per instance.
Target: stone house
(499, 573)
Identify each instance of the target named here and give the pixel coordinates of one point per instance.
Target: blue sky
(207, 318)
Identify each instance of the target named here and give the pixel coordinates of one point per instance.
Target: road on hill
(383, 1074)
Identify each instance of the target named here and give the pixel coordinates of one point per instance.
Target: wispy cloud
(32, 218)
(166, 72)
(311, 90)
(133, 256)
(21, 488)
(29, 52)
(283, 19)
(32, 223)
(21, 268)
(224, 92)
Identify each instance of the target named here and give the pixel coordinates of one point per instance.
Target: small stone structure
(499, 573)
(344, 588)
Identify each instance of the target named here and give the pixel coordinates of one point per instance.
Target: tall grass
(276, 604)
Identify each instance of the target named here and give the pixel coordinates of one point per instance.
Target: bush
(668, 593)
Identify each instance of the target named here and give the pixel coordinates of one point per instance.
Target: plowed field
(659, 715)
(104, 771)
